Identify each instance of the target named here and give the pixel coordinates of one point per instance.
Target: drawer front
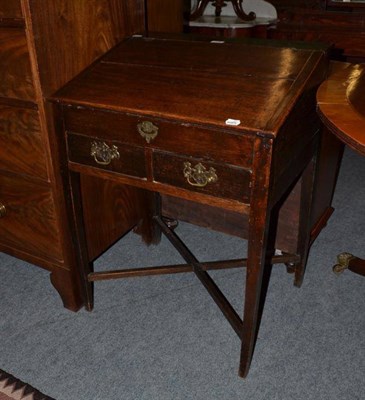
(10, 9)
(220, 146)
(21, 146)
(124, 159)
(203, 177)
(27, 221)
(15, 71)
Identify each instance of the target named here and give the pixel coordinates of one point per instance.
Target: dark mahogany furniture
(341, 106)
(43, 44)
(221, 135)
(339, 23)
(166, 15)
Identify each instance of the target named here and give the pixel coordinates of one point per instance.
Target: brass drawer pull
(199, 175)
(147, 130)
(2, 210)
(103, 154)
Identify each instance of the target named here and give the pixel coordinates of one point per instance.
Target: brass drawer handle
(147, 130)
(2, 210)
(103, 154)
(199, 176)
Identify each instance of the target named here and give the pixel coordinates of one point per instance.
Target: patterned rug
(12, 388)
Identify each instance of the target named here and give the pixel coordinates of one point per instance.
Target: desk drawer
(27, 217)
(10, 9)
(21, 146)
(200, 176)
(91, 151)
(15, 72)
(221, 146)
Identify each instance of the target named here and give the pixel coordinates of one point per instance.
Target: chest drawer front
(15, 71)
(108, 155)
(27, 220)
(221, 146)
(196, 175)
(21, 145)
(10, 9)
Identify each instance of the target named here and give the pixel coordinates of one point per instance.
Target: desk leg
(147, 228)
(304, 233)
(85, 266)
(256, 260)
(140, 209)
(259, 223)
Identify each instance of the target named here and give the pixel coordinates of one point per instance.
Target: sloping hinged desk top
(197, 82)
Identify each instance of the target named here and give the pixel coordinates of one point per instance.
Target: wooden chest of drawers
(43, 44)
(208, 133)
(10, 9)
(15, 71)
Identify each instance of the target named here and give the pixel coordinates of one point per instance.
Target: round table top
(341, 104)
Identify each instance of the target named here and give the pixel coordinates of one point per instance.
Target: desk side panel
(295, 146)
(111, 210)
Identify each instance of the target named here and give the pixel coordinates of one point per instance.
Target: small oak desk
(218, 134)
(341, 106)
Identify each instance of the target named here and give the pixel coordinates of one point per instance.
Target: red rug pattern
(12, 388)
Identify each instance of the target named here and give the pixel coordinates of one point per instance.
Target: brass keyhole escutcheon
(104, 154)
(147, 130)
(2, 210)
(199, 176)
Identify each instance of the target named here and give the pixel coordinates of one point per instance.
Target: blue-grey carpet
(163, 338)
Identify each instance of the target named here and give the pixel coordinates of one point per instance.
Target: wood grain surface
(72, 34)
(196, 140)
(129, 82)
(341, 107)
(29, 223)
(10, 9)
(15, 73)
(21, 144)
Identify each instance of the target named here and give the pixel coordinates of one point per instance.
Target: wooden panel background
(166, 15)
(21, 146)
(10, 9)
(15, 72)
(319, 4)
(72, 34)
(29, 223)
